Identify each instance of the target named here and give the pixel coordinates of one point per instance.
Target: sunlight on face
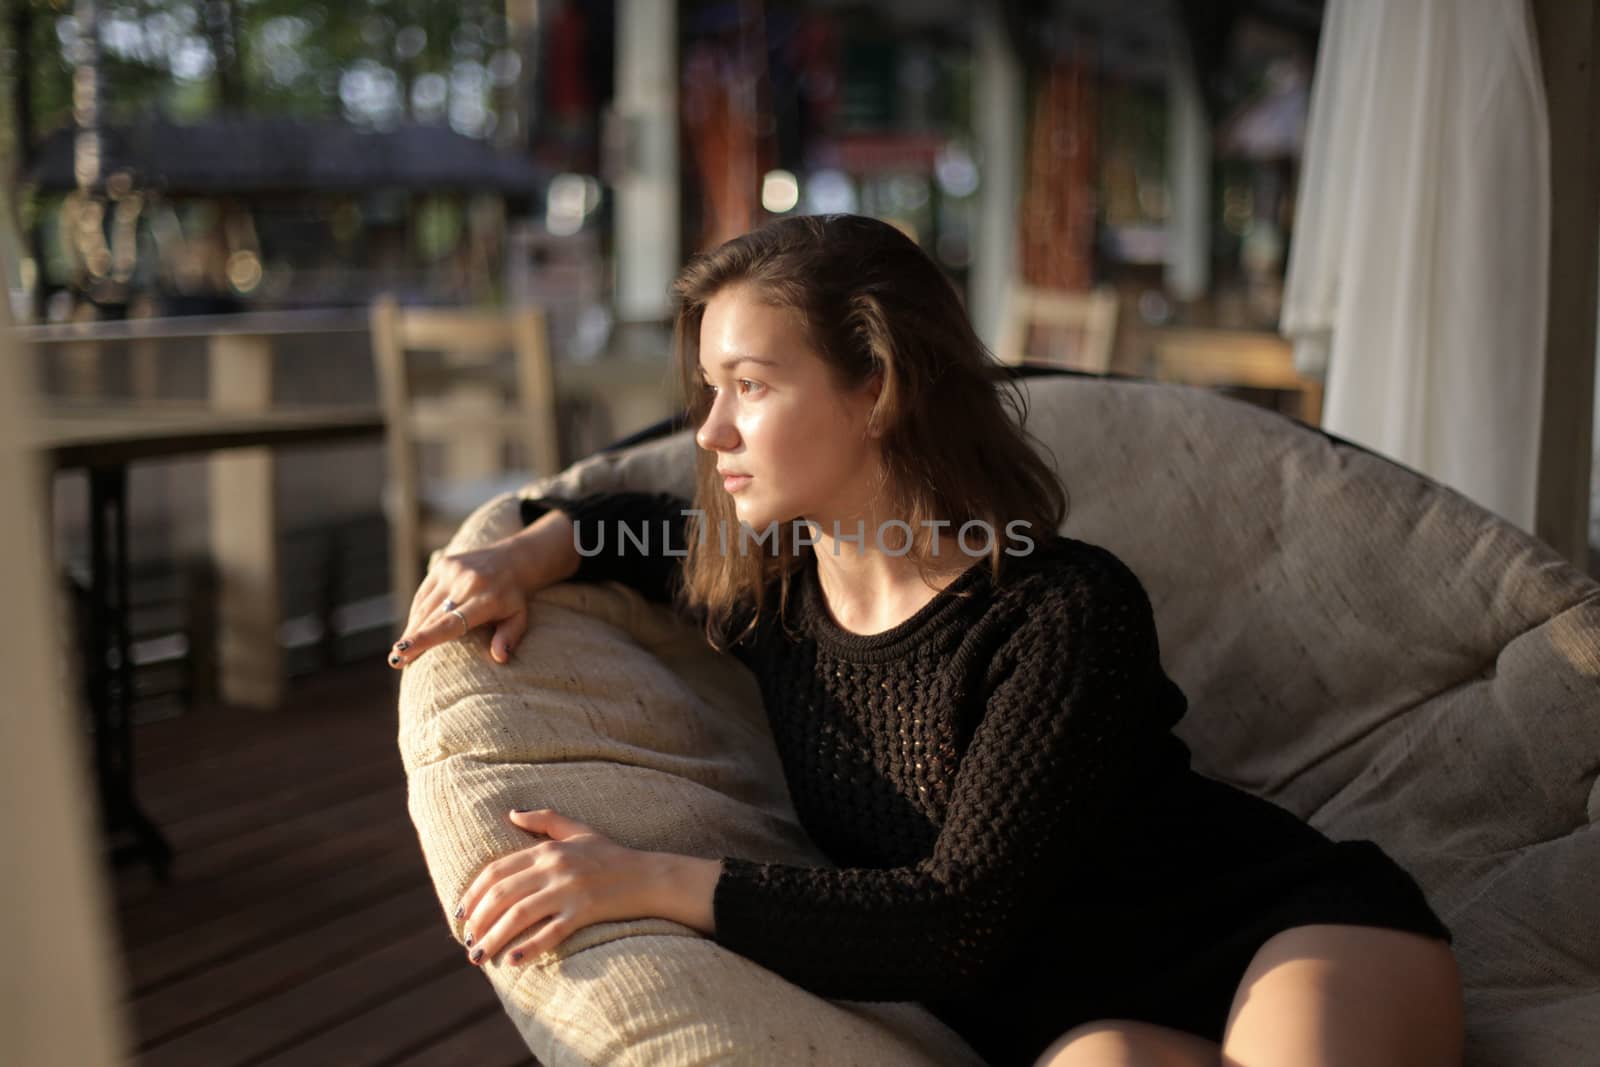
(798, 445)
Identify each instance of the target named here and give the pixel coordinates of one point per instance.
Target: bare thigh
(1127, 1043)
(1335, 995)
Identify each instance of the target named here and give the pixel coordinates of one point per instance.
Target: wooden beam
(1569, 44)
(65, 989)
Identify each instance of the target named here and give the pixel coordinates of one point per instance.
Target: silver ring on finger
(465, 625)
(450, 605)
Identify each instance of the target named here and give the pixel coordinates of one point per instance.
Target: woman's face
(798, 445)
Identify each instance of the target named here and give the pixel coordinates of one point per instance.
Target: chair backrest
(443, 382)
(1087, 319)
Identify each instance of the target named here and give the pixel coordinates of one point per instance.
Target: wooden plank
(204, 942)
(261, 323)
(298, 842)
(298, 878)
(81, 370)
(364, 981)
(413, 1018)
(301, 792)
(345, 698)
(405, 474)
(284, 835)
(168, 914)
(218, 776)
(436, 421)
(243, 978)
(453, 331)
(536, 378)
(489, 1040)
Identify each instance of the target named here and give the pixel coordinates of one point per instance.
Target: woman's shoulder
(1069, 600)
(1064, 584)
(1066, 564)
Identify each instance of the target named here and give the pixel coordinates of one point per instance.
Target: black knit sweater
(976, 773)
(956, 767)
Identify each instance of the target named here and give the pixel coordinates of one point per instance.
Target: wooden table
(105, 439)
(632, 380)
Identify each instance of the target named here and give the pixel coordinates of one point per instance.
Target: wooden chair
(1246, 359)
(1089, 320)
(464, 410)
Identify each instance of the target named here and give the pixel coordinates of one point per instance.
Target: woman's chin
(751, 513)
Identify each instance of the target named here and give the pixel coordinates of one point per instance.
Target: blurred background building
(284, 155)
(1110, 186)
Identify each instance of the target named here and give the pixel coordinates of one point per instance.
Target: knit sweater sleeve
(1075, 706)
(636, 538)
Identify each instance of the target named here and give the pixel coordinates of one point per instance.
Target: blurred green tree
(369, 61)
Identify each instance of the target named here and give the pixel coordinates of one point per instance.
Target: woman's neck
(870, 591)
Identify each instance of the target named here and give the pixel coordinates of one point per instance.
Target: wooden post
(646, 187)
(244, 532)
(57, 920)
(997, 106)
(81, 374)
(1569, 46)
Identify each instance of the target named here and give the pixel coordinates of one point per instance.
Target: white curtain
(1418, 268)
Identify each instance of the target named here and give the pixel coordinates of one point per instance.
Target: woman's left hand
(554, 888)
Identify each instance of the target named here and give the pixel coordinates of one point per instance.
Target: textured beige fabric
(615, 712)
(1360, 645)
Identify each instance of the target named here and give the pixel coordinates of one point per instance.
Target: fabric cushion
(1359, 644)
(1379, 655)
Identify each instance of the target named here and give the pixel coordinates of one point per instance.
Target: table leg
(110, 678)
(244, 532)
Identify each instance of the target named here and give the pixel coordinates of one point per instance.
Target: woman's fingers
(444, 624)
(419, 603)
(535, 910)
(430, 595)
(508, 635)
(483, 585)
(498, 887)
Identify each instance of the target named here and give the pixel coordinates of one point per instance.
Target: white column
(1188, 269)
(998, 112)
(646, 184)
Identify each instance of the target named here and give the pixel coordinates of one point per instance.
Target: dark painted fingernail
(521, 811)
(461, 911)
(516, 957)
(394, 659)
(478, 955)
(469, 940)
(403, 645)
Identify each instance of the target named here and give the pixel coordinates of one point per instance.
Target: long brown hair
(870, 300)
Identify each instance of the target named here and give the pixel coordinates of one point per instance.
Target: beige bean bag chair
(1359, 645)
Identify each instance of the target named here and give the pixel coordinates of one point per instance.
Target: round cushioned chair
(1360, 645)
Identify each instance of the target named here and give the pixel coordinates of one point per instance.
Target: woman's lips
(735, 482)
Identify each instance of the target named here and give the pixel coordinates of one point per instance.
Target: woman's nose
(717, 433)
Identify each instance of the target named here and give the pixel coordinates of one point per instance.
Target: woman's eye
(746, 386)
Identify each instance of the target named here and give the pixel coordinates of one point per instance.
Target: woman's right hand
(487, 586)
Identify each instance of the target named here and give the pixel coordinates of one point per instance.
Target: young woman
(970, 708)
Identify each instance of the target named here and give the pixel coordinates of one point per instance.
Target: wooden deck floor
(299, 927)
